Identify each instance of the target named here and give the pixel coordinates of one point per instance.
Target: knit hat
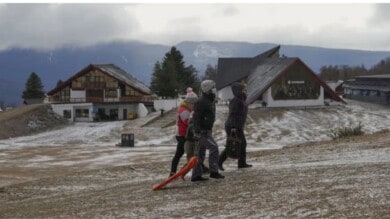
(207, 85)
(191, 97)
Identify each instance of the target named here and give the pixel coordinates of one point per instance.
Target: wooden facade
(101, 91)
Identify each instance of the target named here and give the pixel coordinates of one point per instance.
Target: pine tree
(156, 75)
(172, 77)
(191, 79)
(382, 67)
(34, 88)
(210, 73)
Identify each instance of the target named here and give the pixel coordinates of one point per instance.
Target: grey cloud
(187, 28)
(230, 11)
(187, 24)
(381, 15)
(54, 25)
(225, 10)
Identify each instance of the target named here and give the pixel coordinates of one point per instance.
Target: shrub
(346, 132)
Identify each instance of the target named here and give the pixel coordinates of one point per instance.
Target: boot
(220, 167)
(216, 175)
(245, 166)
(199, 179)
(221, 159)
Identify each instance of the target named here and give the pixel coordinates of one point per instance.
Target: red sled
(181, 173)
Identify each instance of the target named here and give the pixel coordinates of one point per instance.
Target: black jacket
(238, 109)
(204, 113)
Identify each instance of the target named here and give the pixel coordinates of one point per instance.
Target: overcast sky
(48, 26)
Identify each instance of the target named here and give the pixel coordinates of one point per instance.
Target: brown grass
(15, 122)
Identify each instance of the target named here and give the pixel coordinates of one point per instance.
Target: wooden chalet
(101, 92)
(274, 81)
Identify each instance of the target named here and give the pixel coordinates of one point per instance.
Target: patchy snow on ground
(78, 172)
(83, 134)
(92, 145)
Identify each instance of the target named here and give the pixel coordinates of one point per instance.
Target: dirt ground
(349, 178)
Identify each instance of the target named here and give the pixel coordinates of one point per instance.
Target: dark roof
(111, 70)
(367, 87)
(266, 54)
(270, 69)
(123, 76)
(231, 70)
(386, 76)
(265, 74)
(234, 69)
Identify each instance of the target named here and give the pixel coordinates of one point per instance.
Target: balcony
(132, 99)
(136, 99)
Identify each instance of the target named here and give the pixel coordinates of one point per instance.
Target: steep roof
(384, 76)
(265, 74)
(231, 70)
(234, 69)
(270, 69)
(108, 69)
(368, 87)
(266, 54)
(123, 76)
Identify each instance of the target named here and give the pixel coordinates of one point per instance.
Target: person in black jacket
(238, 110)
(203, 118)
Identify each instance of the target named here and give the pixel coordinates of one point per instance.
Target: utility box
(131, 115)
(127, 140)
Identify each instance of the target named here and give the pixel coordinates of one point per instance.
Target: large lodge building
(101, 92)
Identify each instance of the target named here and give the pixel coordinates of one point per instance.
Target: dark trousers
(179, 152)
(206, 141)
(241, 152)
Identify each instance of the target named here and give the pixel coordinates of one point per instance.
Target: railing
(137, 99)
(103, 100)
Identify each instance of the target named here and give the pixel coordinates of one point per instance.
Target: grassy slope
(28, 119)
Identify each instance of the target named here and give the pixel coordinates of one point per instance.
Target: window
(82, 113)
(65, 93)
(67, 114)
(297, 84)
(111, 93)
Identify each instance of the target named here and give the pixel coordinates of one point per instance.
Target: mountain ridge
(138, 58)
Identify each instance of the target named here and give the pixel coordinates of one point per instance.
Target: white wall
(293, 103)
(59, 109)
(225, 94)
(139, 109)
(142, 111)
